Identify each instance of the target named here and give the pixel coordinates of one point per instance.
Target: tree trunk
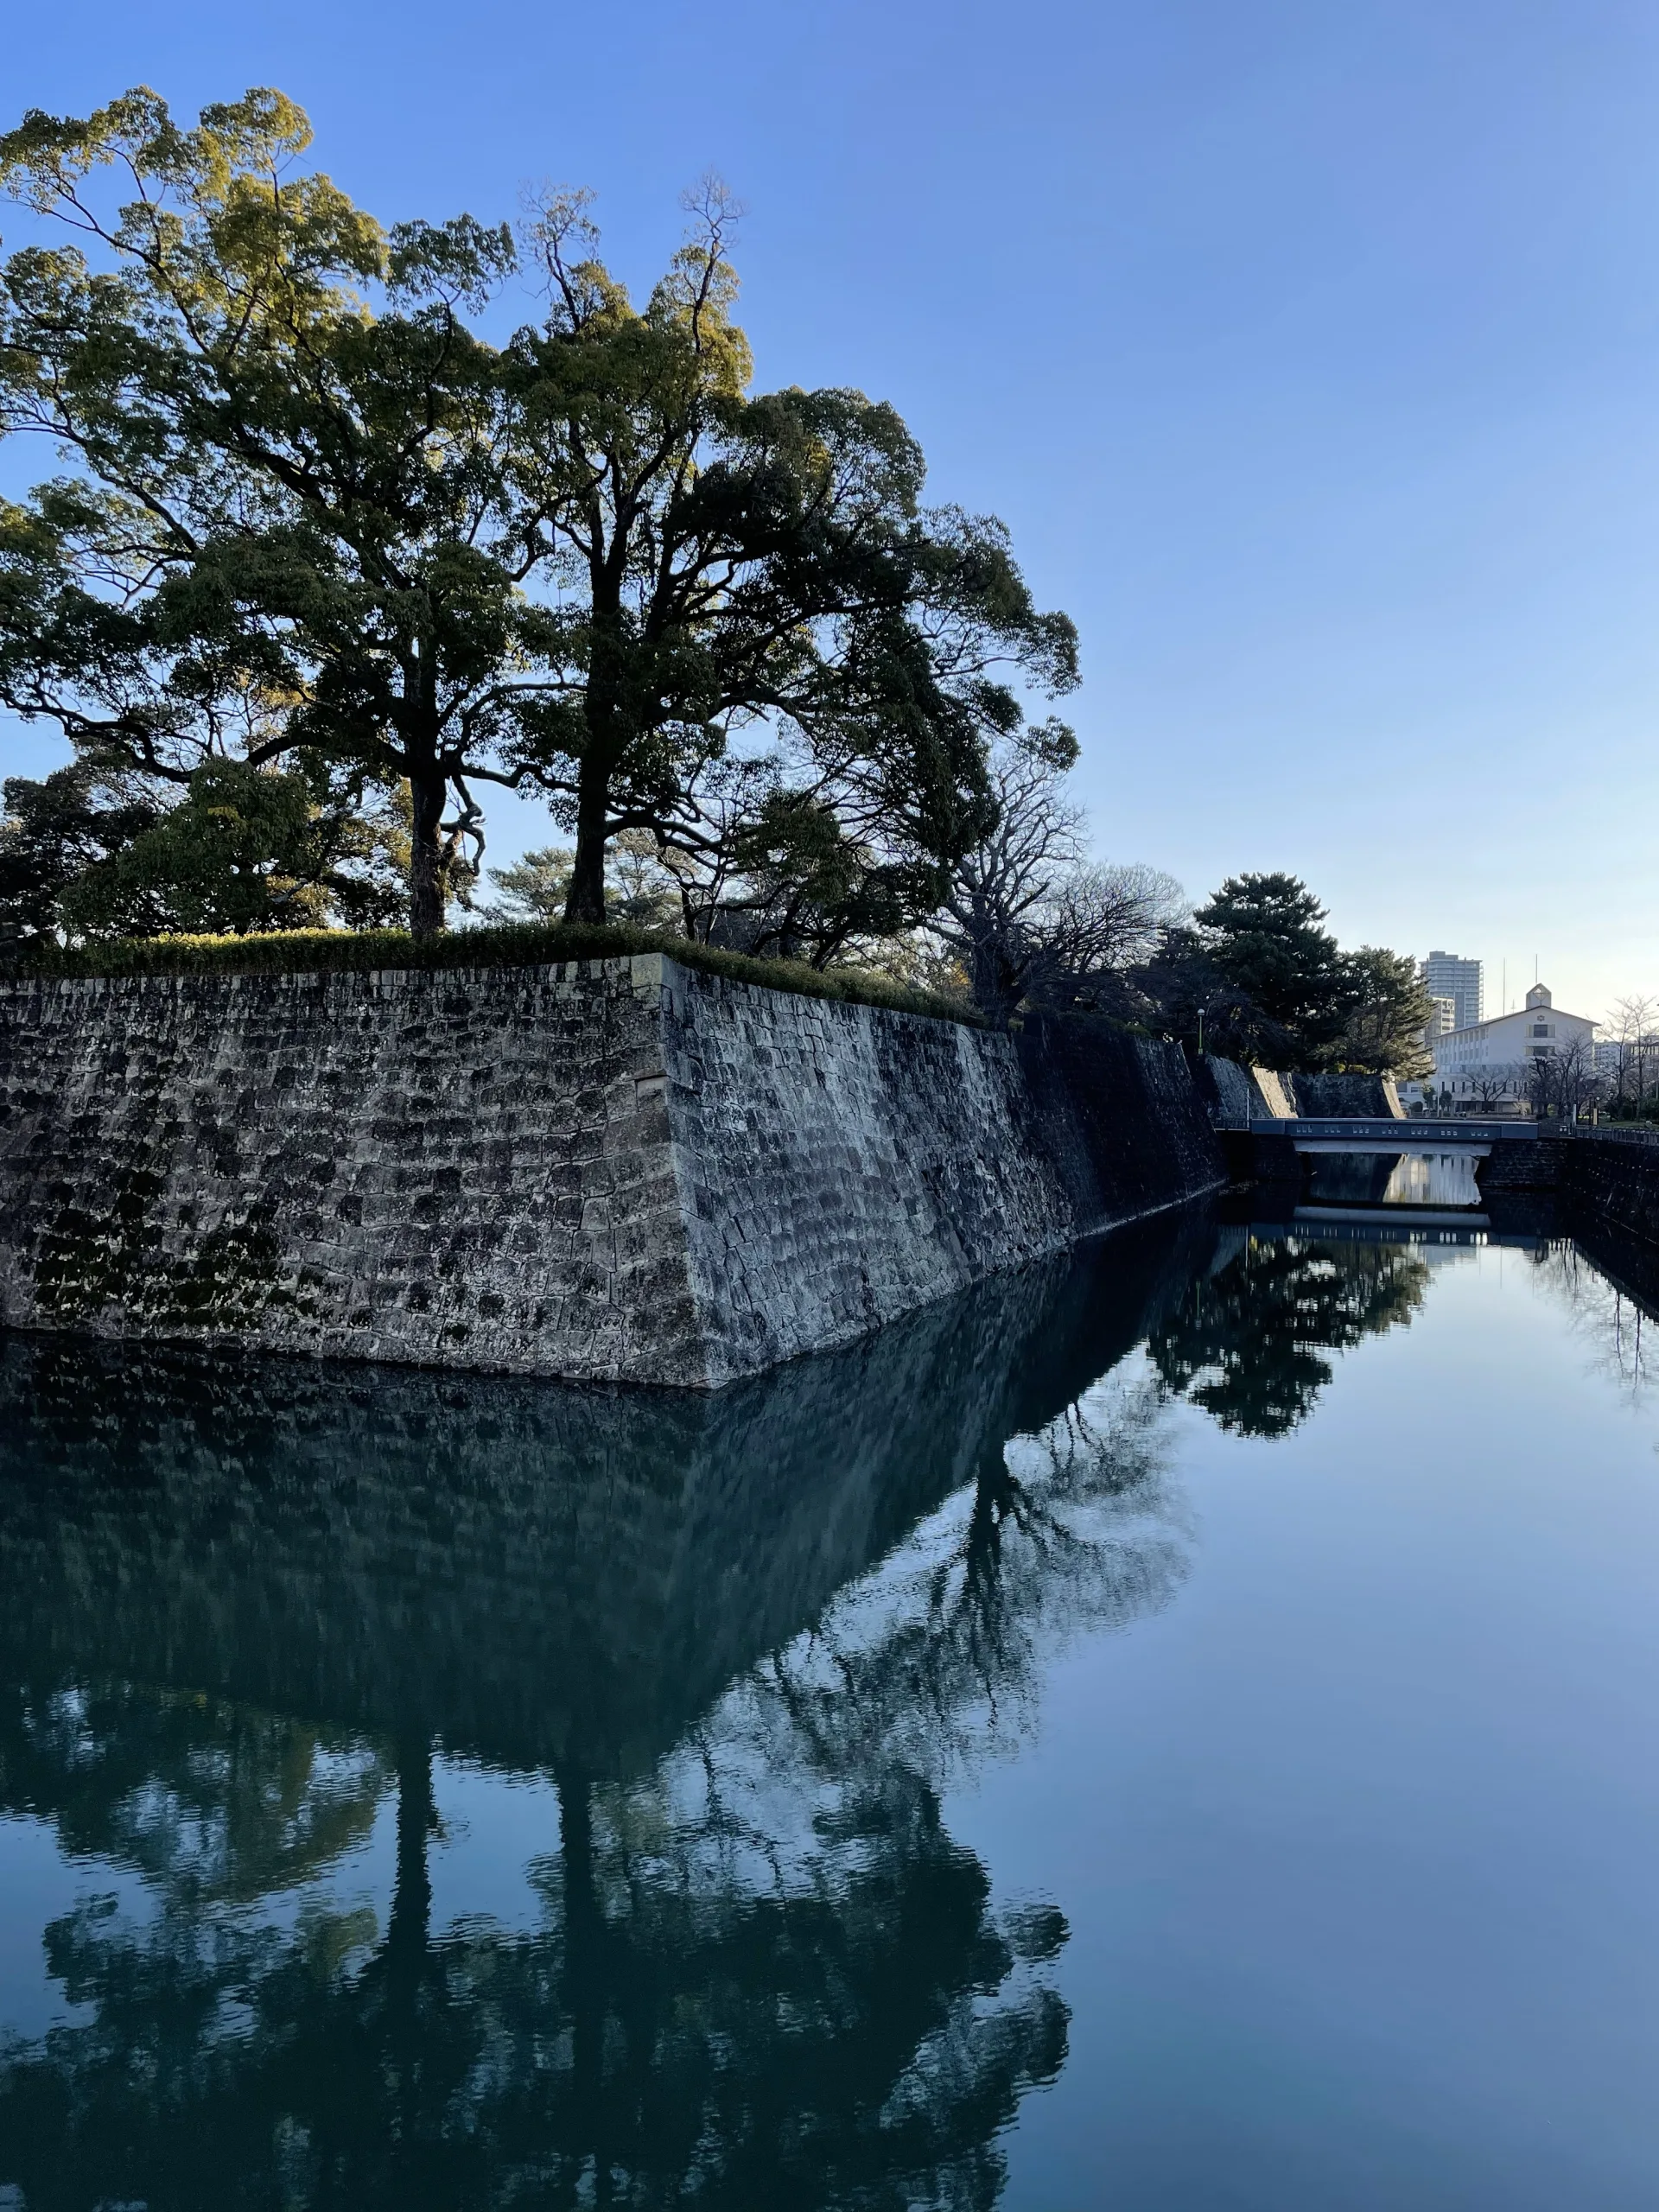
(406, 1954)
(583, 1992)
(586, 902)
(426, 858)
(991, 984)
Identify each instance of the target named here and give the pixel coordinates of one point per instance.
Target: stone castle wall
(1346, 1096)
(620, 1170)
(1614, 1178)
(1237, 1094)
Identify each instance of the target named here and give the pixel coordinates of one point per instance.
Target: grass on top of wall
(512, 946)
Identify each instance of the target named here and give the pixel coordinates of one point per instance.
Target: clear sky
(1310, 349)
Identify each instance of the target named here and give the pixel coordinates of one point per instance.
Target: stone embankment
(1614, 1178)
(620, 1170)
(1238, 1095)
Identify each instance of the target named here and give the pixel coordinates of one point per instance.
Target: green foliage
(244, 849)
(302, 951)
(538, 888)
(313, 510)
(287, 529)
(535, 888)
(52, 833)
(1274, 989)
(809, 888)
(1262, 934)
(1390, 1007)
(758, 569)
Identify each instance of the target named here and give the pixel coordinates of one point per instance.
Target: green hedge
(528, 945)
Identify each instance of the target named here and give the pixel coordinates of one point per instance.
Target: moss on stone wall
(517, 945)
(89, 1261)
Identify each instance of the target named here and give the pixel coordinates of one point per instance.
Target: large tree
(108, 853)
(1256, 974)
(56, 831)
(1264, 935)
(287, 526)
(753, 600)
(310, 507)
(1389, 1015)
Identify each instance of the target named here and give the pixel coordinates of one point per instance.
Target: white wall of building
(1496, 1056)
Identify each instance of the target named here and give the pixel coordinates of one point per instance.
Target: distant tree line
(326, 563)
(1631, 1084)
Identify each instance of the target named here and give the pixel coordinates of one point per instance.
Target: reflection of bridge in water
(1408, 1225)
(1383, 1160)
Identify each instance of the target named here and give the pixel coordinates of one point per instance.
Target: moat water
(1175, 1729)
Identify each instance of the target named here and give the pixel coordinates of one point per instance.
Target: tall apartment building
(1449, 978)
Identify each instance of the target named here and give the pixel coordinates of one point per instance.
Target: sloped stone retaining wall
(621, 1170)
(1238, 1095)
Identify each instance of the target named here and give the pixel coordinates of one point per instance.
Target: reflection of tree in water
(1611, 1314)
(854, 2031)
(1070, 1529)
(766, 1973)
(1246, 1341)
(211, 1801)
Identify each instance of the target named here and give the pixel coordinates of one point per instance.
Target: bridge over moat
(1384, 1133)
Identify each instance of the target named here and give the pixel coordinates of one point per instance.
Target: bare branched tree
(1566, 1084)
(998, 889)
(1633, 1022)
(1031, 916)
(1485, 1087)
(1100, 919)
(1618, 1330)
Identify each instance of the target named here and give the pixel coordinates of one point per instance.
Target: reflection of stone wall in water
(513, 1566)
(1350, 1177)
(1615, 1179)
(616, 1170)
(1629, 1264)
(560, 1579)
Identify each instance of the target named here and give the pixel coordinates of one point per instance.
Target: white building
(1449, 977)
(1490, 1062)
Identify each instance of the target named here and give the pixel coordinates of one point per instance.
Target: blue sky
(1310, 350)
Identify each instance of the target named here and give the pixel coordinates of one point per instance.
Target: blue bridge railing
(1375, 1131)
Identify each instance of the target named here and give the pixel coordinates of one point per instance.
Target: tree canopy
(1260, 978)
(1263, 934)
(312, 515)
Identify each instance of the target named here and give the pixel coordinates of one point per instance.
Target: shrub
(508, 945)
